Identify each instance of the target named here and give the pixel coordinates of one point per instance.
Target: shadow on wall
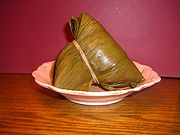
(68, 33)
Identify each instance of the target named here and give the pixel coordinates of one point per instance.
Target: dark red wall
(34, 31)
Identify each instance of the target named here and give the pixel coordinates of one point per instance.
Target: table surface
(27, 108)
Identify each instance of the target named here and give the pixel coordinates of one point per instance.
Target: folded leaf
(109, 62)
(70, 71)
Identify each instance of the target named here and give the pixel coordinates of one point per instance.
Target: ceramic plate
(95, 96)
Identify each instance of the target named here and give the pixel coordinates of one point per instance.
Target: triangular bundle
(94, 57)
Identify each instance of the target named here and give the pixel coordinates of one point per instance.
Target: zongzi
(94, 57)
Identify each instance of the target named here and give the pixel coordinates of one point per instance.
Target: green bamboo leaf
(70, 70)
(111, 65)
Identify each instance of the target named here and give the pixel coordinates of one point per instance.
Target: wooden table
(26, 108)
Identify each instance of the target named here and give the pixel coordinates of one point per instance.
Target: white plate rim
(156, 79)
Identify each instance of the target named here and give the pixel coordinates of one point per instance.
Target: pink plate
(95, 96)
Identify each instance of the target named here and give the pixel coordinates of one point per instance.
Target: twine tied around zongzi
(86, 61)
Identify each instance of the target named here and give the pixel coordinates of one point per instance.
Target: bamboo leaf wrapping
(109, 62)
